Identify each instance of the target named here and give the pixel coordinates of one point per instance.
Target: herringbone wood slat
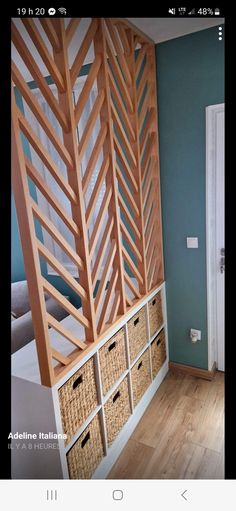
(115, 209)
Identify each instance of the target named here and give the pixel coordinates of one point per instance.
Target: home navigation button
(117, 494)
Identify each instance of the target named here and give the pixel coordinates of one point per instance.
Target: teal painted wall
(190, 76)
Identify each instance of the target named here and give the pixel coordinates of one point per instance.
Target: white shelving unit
(36, 408)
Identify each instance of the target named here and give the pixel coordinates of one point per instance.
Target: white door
(220, 240)
(215, 234)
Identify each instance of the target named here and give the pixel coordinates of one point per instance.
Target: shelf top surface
(24, 362)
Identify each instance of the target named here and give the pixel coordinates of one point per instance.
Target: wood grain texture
(29, 248)
(180, 436)
(94, 156)
(44, 53)
(46, 158)
(127, 24)
(56, 235)
(51, 33)
(151, 62)
(52, 291)
(51, 197)
(71, 29)
(87, 88)
(40, 115)
(83, 50)
(137, 169)
(38, 77)
(74, 179)
(120, 163)
(108, 150)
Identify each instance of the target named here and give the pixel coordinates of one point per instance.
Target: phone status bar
(54, 11)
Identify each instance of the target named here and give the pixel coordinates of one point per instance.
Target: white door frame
(211, 262)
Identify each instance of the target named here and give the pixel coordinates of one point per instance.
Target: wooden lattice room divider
(119, 256)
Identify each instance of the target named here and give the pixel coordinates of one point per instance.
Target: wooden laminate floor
(181, 434)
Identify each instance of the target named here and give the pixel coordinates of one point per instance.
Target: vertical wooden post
(151, 62)
(74, 178)
(30, 252)
(108, 149)
(137, 169)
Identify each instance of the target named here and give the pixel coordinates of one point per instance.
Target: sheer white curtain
(44, 205)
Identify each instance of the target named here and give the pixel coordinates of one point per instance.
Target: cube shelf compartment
(117, 411)
(78, 398)
(155, 313)
(137, 333)
(85, 455)
(141, 377)
(112, 358)
(158, 352)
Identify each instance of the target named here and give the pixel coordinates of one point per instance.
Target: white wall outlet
(192, 242)
(195, 335)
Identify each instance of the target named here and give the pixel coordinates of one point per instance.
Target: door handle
(222, 260)
(222, 265)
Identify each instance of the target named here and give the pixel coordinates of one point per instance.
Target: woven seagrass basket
(117, 411)
(141, 377)
(87, 452)
(78, 398)
(137, 333)
(158, 351)
(112, 358)
(155, 313)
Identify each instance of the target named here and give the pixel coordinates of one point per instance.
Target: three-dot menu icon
(220, 36)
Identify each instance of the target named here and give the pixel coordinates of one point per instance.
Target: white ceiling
(163, 29)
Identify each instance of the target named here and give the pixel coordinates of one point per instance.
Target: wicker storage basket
(141, 377)
(112, 358)
(137, 332)
(155, 314)
(78, 398)
(117, 411)
(158, 351)
(87, 452)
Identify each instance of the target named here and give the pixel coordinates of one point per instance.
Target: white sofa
(22, 329)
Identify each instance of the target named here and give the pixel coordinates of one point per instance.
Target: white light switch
(192, 242)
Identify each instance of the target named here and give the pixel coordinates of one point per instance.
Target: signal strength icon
(192, 12)
(62, 10)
